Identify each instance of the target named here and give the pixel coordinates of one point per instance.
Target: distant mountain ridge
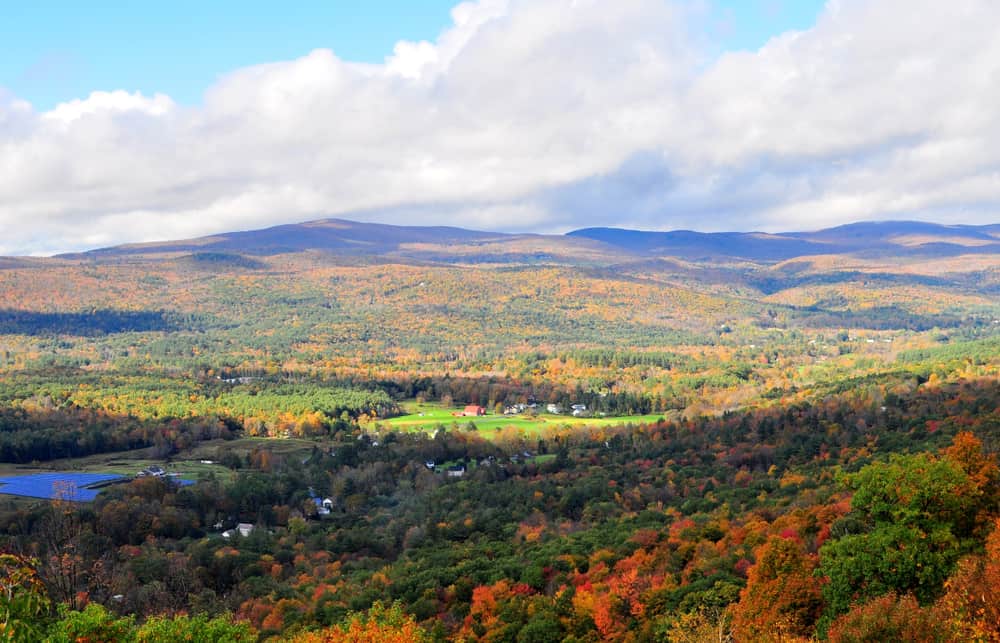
(897, 238)
(327, 234)
(866, 238)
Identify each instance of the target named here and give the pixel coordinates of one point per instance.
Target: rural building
(473, 410)
(456, 471)
(554, 409)
(323, 506)
(244, 529)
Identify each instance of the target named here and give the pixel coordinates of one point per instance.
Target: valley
(466, 435)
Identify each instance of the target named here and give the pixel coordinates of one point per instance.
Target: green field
(429, 416)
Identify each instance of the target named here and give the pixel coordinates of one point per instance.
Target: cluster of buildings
(455, 471)
(459, 470)
(577, 410)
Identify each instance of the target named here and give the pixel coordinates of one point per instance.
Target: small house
(554, 409)
(244, 529)
(323, 506)
(473, 410)
(456, 471)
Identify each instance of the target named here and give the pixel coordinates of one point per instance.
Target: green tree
(93, 624)
(911, 520)
(23, 599)
(199, 628)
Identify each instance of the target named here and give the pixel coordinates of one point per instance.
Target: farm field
(428, 417)
(119, 464)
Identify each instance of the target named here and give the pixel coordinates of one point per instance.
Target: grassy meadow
(429, 416)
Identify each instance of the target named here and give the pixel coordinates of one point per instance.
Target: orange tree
(380, 625)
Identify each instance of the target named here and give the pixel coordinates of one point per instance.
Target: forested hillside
(434, 434)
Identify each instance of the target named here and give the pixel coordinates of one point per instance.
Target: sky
(55, 51)
(124, 122)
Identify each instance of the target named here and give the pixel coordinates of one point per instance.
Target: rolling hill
(870, 239)
(589, 245)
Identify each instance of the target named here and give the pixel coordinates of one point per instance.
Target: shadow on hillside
(879, 318)
(88, 324)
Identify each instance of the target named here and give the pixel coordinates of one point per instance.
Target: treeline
(489, 392)
(876, 318)
(97, 322)
(62, 421)
(980, 351)
(608, 358)
(40, 435)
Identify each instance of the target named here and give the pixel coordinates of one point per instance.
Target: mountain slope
(329, 234)
(701, 245)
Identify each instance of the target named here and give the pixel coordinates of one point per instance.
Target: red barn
(473, 411)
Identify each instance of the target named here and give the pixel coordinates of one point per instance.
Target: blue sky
(55, 51)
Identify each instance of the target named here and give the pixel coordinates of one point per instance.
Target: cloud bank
(539, 115)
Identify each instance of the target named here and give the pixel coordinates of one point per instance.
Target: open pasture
(429, 417)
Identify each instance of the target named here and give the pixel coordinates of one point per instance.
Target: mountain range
(864, 240)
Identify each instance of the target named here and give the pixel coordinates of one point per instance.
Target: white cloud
(539, 114)
(109, 103)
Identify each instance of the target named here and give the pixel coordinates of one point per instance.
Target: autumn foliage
(782, 598)
(971, 602)
(381, 625)
(889, 618)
